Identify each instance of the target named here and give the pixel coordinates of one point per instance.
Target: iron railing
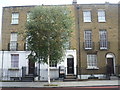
(104, 45)
(13, 46)
(88, 46)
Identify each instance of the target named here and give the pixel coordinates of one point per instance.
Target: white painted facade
(6, 71)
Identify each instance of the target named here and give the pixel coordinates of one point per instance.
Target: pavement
(62, 84)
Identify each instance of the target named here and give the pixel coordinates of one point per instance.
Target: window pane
(103, 39)
(88, 39)
(87, 16)
(15, 18)
(28, 16)
(91, 61)
(101, 16)
(14, 60)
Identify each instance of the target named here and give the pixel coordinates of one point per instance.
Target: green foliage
(48, 29)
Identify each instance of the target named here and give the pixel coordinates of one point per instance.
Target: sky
(4, 3)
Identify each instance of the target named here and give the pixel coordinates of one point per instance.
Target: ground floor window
(14, 60)
(92, 61)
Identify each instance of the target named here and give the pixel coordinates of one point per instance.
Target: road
(68, 88)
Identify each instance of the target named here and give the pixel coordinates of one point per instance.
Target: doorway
(110, 64)
(31, 67)
(70, 65)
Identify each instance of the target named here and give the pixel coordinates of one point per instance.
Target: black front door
(110, 66)
(70, 65)
(31, 67)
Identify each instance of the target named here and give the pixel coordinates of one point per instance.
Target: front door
(110, 66)
(70, 65)
(31, 67)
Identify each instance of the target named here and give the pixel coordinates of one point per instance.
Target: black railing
(88, 45)
(13, 46)
(104, 45)
(26, 47)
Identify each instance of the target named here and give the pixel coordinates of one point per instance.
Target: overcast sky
(4, 3)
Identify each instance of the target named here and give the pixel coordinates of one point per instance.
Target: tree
(48, 29)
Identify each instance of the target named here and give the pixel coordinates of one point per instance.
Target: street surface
(68, 88)
(75, 85)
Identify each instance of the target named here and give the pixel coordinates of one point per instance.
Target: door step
(70, 78)
(28, 78)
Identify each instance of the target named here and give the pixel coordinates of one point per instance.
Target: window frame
(28, 16)
(13, 41)
(15, 19)
(101, 14)
(92, 62)
(103, 39)
(86, 16)
(14, 63)
(88, 39)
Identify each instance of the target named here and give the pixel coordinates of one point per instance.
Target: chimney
(74, 2)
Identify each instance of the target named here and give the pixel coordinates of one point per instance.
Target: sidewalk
(62, 84)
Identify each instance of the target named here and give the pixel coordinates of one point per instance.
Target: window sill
(102, 21)
(87, 22)
(14, 23)
(53, 68)
(13, 69)
(93, 68)
(102, 49)
(88, 48)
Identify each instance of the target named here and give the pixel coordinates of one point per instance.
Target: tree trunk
(48, 70)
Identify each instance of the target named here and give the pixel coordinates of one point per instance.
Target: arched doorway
(70, 64)
(110, 63)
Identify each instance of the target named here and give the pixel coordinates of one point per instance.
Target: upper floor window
(101, 16)
(14, 60)
(15, 18)
(92, 61)
(13, 41)
(13, 36)
(103, 39)
(88, 39)
(87, 16)
(28, 16)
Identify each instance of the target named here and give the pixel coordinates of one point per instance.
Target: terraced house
(94, 48)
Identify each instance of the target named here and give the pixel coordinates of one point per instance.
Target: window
(103, 39)
(15, 18)
(92, 61)
(87, 16)
(53, 64)
(67, 45)
(101, 16)
(26, 44)
(14, 60)
(88, 39)
(13, 41)
(28, 16)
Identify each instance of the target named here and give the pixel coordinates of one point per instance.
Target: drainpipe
(79, 54)
(2, 62)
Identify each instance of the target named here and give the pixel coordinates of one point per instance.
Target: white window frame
(87, 16)
(14, 60)
(28, 16)
(92, 61)
(13, 41)
(101, 16)
(103, 39)
(15, 18)
(88, 39)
